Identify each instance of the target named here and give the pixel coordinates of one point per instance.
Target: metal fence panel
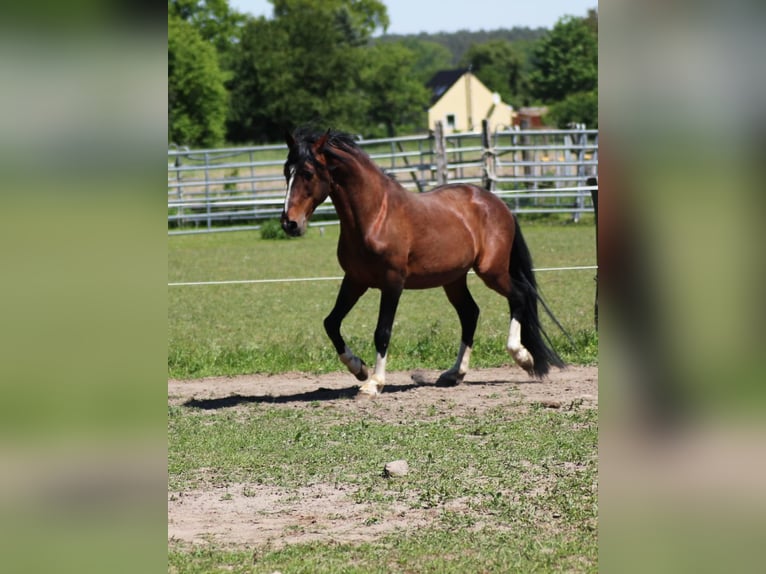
(535, 171)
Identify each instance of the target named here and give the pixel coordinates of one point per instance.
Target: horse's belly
(430, 280)
(444, 259)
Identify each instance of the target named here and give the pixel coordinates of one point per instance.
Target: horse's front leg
(348, 295)
(389, 301)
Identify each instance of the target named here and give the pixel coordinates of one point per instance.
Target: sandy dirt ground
(263, 516)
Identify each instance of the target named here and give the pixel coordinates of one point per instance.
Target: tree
(302, 67)
(581, 108)
(260, 72)
(565, 61)
(357, 18)
(216, 22)
(498, 66)
(395, 95)
(427, 57)
(197, 98)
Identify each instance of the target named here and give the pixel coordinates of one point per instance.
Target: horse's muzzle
(291, 227)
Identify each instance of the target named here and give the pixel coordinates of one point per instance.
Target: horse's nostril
(290, 226)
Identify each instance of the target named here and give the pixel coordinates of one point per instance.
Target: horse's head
(308, 181)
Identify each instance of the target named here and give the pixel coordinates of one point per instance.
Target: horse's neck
(360, 197)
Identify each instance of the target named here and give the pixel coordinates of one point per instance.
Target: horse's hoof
(363, 374)
(449, 379)
(365, 393)
(524, 360)
(371, 388)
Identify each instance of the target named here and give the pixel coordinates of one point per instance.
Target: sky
(414, 16)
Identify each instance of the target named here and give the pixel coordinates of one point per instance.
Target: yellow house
(460, 101)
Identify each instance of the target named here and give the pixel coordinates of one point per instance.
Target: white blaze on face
(290, 181)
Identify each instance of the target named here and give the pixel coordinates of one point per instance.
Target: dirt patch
(405, 393)
(257, 515)
(267, 516)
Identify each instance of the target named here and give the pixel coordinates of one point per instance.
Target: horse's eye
(307, 175)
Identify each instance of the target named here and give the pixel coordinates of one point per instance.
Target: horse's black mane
(306, 137)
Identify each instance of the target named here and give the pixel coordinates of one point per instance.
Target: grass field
(506, 488)
(270, 328)
(508, 491)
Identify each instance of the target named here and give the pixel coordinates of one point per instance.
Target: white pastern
(516, 349)
(349, 359)
(514, 336)
(457, 373)
(374, 385)
(380, 369)
(290, 181)
(463, 359)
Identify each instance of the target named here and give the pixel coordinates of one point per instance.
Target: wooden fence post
(488, 157)
(441, 154)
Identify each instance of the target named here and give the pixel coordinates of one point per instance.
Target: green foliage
(498, 66)
(581, 107)
(217, 23)
(316, 62)
(272, 229)
(302, 67)
(197, 99)
(427, 57)
(458, 43)
(566, 61)
(395, 96)
(355, 19)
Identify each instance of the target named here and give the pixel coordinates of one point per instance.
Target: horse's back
(470, 201)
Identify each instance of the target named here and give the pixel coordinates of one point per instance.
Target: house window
(451, 121)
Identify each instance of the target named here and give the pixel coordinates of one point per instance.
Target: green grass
(528, 476)
(525, 477)
(429, 550)
(270, 328)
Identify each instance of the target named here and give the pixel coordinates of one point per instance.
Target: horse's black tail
(523, 301)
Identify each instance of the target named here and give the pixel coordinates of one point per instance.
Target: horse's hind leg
(468, 312)
(348, 295)
(517, 301)
(518, 304)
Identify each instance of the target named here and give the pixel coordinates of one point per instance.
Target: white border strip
(303, 279)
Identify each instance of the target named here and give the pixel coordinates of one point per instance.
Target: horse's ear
(322, 141)
(289, 139)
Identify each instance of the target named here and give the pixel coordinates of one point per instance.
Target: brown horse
(392, 239)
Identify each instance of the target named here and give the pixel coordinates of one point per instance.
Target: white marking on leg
(463, 359)
(519, 353)
(380, 367)
(456, 374)
(514, 336)
(349, 359)
(374, 385)
(289, 186)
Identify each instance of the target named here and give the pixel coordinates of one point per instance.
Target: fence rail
(534, 171)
